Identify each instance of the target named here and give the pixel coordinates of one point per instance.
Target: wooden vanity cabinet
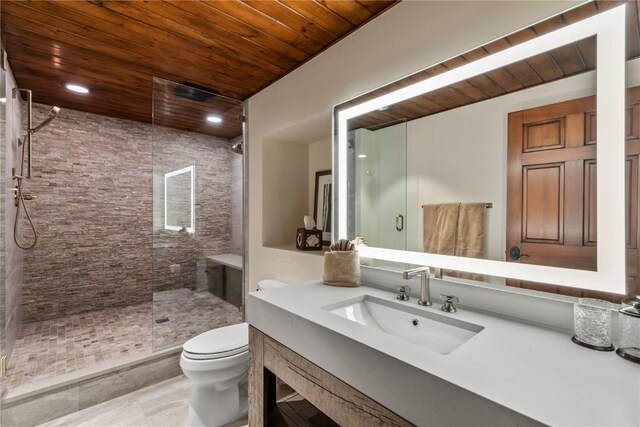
(336, 399)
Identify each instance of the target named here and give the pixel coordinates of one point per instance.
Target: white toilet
(217, 363)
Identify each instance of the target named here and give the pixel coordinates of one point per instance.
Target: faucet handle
(402, 292)
(447, 304)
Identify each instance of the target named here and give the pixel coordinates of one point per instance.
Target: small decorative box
(309, 240)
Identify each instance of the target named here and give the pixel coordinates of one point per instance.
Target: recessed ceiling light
(213, 119)
(77, 88)
(362, 156)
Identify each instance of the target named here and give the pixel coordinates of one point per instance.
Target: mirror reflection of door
(551, 190)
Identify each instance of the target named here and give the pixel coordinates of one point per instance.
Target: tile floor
(166, 405)
(161, 405)
(53, 347)
(189, 313)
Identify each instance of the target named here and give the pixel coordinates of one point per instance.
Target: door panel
(590, 203)
(551, 190)
(544, 136)
(543, 203)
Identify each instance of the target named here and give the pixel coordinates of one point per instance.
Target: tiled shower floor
(53, 347)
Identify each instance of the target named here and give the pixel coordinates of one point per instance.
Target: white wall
(319, 160)
(407, 38)
(285, 182)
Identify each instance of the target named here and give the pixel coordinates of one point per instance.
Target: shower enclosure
(197, 205)
(136, 223)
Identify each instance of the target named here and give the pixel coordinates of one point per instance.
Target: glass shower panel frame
(3, 224)
(198, 281)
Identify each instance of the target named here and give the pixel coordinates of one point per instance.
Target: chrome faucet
(425, 297)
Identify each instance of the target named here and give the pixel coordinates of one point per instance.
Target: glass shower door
(379, 196)
(197, 211)
(3, 292)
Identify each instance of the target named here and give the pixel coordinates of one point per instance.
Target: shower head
(52, 115)
(194, 92)
(237, 147)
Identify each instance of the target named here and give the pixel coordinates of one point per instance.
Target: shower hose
(20, 199)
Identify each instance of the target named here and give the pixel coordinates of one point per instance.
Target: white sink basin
(426, 329)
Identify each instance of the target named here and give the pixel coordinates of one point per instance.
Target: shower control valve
(18, 195)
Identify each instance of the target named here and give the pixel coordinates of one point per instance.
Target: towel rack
(487, 205)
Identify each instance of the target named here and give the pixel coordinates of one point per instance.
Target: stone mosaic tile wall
(92, 176)
(98, 246)
(179, 258)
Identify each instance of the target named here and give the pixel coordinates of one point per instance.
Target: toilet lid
(218, 343)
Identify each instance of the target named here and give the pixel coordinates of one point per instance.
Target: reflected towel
(440, 224)
(470, 235)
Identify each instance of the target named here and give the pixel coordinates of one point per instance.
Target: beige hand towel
(440, 223)
(470, 236)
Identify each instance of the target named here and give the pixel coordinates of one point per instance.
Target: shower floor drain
(162, 319)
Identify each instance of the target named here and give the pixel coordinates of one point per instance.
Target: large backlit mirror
(505, 164)
(179, 200)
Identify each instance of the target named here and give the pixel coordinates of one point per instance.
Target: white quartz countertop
(531, 370)
(230, 260)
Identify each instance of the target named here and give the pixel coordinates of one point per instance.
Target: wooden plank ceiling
(235, 48)
(569, 60)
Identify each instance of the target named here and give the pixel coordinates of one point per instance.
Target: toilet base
(209, 407)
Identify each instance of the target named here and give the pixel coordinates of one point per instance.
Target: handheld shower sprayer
(20, 197)
(52, 115)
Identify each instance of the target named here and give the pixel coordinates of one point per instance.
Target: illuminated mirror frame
(191, 170)
(609, 27)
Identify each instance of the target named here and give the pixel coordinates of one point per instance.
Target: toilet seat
(218, 343)
(267, 284)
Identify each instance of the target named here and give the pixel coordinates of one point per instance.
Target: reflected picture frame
(322, 204)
